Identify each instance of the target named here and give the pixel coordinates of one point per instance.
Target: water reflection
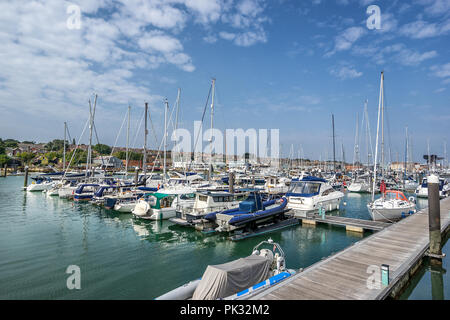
(437, 282)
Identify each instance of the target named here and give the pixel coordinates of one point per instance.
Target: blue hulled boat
(251, 212)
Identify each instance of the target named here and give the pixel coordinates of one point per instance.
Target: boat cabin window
(166, 202)
(327, 192)
(202, 198)
(241, 197)
(151, 201)
(394, 195)
(187, 196)
(305, 187)
(221, 199)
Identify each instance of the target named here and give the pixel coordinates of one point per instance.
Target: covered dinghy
(226, 279)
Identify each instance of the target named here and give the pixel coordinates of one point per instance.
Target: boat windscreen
(305, 187)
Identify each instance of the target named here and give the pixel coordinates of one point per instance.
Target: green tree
(29, 142)
(102, 149)
(4, 159)
(131, 155)
(26, 157)
(11, 143)
(55, 145)
(80, 157)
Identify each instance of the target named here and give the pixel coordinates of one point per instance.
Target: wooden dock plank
(344, 275)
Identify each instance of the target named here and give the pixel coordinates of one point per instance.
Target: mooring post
(231, 182)
(25, 182)
(434, 218)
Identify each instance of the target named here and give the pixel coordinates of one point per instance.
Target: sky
(279, 64)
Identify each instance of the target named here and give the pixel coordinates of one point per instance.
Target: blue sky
(278, 64)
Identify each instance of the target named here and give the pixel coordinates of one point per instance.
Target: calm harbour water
(124, 258)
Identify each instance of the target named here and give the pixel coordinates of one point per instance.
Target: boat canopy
(80, 189)
(160, 197)
(312, 178)
(223, 280)
(394, 194)
(252, 203)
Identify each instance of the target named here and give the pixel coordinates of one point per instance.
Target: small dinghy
(238, 279)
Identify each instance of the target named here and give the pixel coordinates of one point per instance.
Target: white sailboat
(392, 205)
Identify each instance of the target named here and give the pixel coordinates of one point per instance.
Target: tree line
(54, 153)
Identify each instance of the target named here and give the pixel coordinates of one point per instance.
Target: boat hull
(390, 214)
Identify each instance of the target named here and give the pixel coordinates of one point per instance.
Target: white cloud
(435, 7)
(398, 53)
(346, 39)
(345, 72)
(227, 35)
(421, 29)
(158, 41)
(441, 71)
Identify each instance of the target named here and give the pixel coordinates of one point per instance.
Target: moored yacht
(312, 193)
(207, 202)
(161, 205)
(422, 189)
(391, 206)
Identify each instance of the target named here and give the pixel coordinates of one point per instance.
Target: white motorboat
(391, 206)
(161, 205)
(238, 279)
(67, 192)
(311, 194)
(422, 189)
(207, 202)
(40, 185)
(276, 185)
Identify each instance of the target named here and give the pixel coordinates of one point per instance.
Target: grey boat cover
(226, 279)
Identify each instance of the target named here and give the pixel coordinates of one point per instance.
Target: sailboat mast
(128, 142)
(334, 146)
(406, 158)
(212, 126)
(165, 136)
(91, 128)
(376, 143)
(382, 124)
(176, 126)
(64, 152)
(356, 150)
(368, 138)
(144, 159)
